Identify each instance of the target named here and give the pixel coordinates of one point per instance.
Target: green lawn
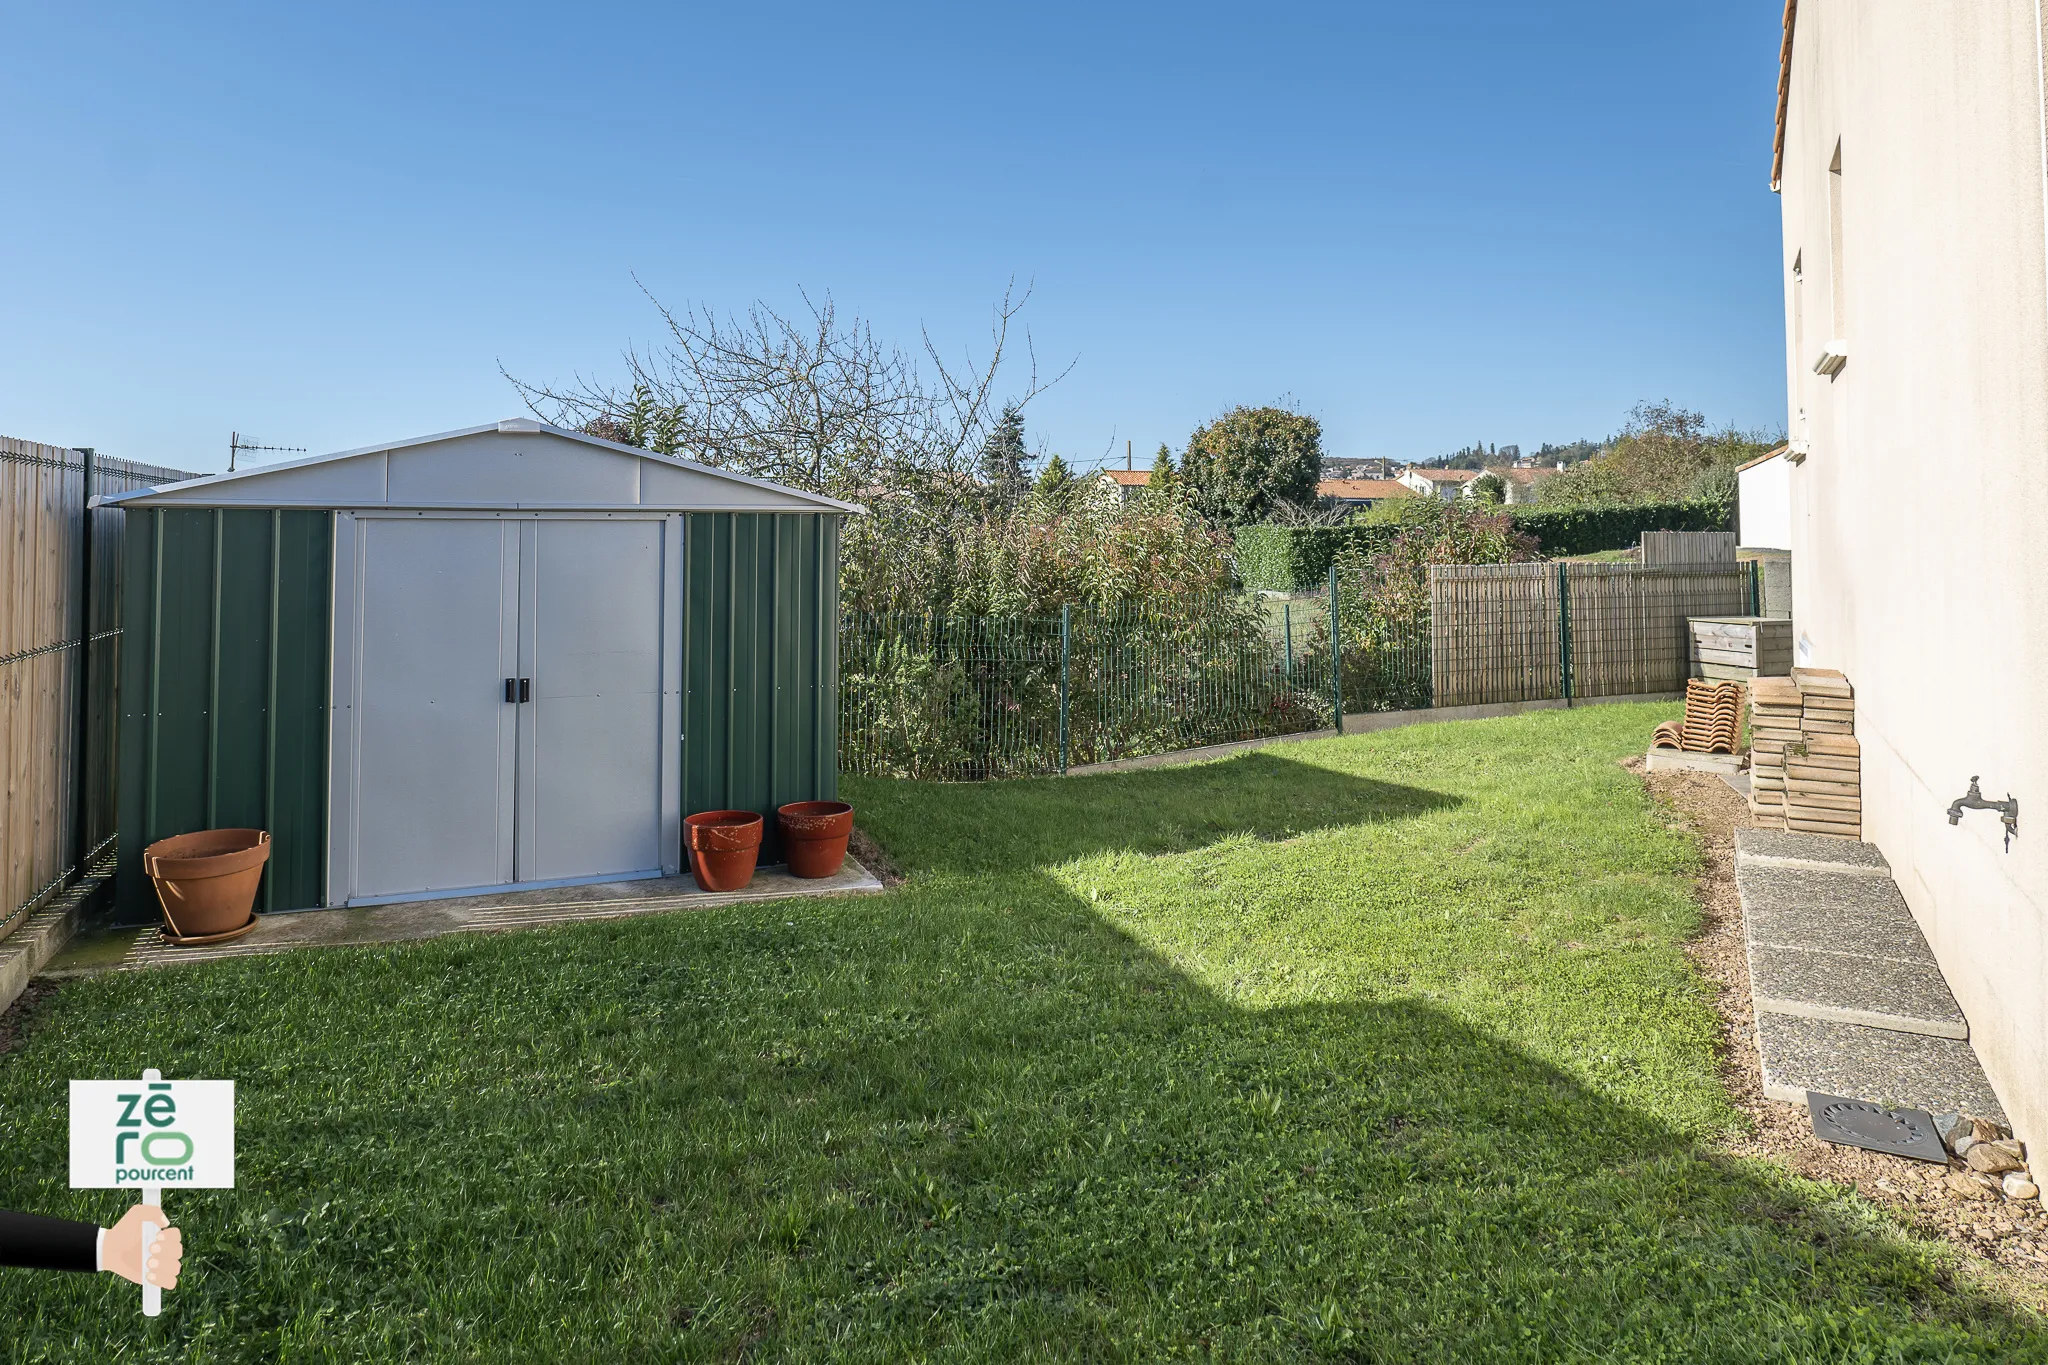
(1371, 1049)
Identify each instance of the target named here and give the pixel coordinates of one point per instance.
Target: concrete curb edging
(1365, 723)
(24, 952)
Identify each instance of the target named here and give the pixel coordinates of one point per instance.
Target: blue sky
(1424, 224)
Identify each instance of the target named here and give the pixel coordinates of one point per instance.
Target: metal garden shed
(491, 659)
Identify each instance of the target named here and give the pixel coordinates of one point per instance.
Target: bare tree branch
(807, 400)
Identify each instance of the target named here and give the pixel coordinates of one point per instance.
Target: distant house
(1764, 502)
(1124, 484)
(1362, 493)
(1520, 481)
(1362, 467)
(1447, 484)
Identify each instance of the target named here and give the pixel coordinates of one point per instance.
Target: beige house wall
(1920, 515)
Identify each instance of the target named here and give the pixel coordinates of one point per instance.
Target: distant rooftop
(1359, 490)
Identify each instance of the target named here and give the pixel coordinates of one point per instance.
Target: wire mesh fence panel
(101, 759)
(1495, 633)
(1388, 666)
(971, 698)
(1628, 622)
(1144, 681)
(951, 698)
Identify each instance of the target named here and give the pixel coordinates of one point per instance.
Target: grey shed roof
(516, 464)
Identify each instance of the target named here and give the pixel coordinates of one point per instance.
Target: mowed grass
(1382, 1048)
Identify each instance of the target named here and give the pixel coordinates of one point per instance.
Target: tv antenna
(236, 445)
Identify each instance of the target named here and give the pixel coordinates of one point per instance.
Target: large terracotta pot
(724, 845)
(206, 882)
(814, 835)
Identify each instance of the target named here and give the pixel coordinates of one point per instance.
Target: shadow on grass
(922, 1125)
(997, 826)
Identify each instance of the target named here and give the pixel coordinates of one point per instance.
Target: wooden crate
(1739, 646)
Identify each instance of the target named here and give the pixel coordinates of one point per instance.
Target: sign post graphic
(149, 1134)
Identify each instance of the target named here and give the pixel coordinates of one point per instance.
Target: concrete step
(1849, 999)
(1829, 912)
(1901, 1070)
(1812, 984)
(1813, 852)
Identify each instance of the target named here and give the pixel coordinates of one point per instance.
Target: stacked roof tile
(1713, 715)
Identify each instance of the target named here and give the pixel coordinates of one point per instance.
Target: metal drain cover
(1859, 1123)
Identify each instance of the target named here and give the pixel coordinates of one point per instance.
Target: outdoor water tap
(2008, 809)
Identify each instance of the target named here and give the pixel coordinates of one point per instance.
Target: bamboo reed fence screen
(1494, 633)
(1531, 632)
(60, 632)
(1692, 548)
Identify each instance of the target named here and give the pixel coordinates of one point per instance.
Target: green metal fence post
(1287, 625)
(1336, 660)
(1756, 591)
(1066, 647)
(1564, 630)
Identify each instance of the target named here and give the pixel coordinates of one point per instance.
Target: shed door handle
(518, 690)
(511, 690)
(526, 689)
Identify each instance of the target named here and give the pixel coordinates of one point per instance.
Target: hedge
(1283, 558)
(1585, 530)
(1289, 558)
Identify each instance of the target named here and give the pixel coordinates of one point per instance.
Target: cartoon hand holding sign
(145, 1135)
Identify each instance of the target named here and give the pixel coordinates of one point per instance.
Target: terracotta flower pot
(814, 835)
(723, 847)
(206, 882)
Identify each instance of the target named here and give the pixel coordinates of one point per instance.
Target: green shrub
(1285, 558)
(1585, 530)
(1298, 558)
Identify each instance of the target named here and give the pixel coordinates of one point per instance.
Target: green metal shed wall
(760, 663)
(224, 687)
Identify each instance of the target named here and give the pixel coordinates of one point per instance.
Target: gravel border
(2009, 1241)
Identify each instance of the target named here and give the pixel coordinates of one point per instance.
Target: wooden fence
(60, 639)
(1494, 633)
(1527, 632)
(1691, 548)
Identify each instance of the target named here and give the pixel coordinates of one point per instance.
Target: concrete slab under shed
(411, 920)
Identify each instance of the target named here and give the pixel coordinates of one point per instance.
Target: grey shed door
(435, 747)
(589, 755)
(457, 787)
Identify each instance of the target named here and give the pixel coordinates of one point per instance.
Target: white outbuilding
(1764, 502)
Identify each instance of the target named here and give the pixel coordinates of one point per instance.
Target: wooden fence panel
(1496, 629)
(1493, 633)
(58, 654)
(1688, 547)
(1628, 623)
